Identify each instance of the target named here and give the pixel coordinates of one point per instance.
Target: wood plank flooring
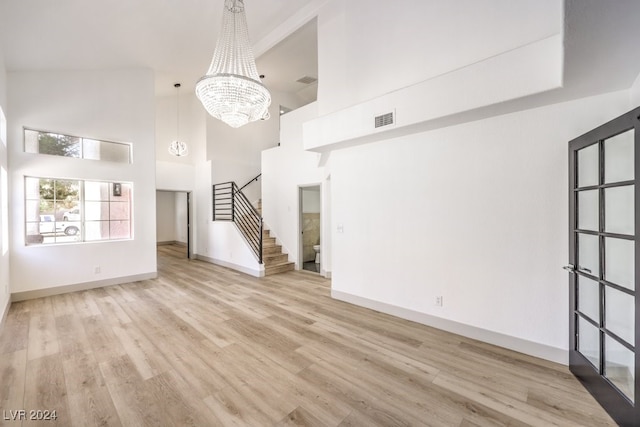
(206, 346)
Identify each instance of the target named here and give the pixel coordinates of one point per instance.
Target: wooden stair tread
(278, 268)
(275, 259)
(270, 250)
(268, 241)
(273, 255)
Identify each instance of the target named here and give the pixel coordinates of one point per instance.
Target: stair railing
(231, 204)
(254, 179)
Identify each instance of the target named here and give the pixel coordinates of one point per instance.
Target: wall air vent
(307, 80)
(384, 120)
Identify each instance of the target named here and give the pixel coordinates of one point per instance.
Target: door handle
(570, 268)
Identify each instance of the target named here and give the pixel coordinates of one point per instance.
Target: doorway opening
(173, 221)
(310, 254)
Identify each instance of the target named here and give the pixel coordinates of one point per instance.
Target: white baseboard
(39, 293)
(171, 242)
(5, 312)
(520, 345)
(241, 268)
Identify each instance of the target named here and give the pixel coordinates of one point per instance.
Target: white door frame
(300, 260)
(190, 222)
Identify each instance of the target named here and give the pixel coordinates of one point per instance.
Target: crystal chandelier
(231, 90)
(178, 148)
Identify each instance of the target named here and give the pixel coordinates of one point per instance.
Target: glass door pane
(619, 210)
(619, 262)
(588, 210)
(620, 367)
(589, 298)
(589, 254)
(588, 166)
(589, 342)
(620, 314)
(618, 157)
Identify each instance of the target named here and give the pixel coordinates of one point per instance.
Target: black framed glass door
(603, 252)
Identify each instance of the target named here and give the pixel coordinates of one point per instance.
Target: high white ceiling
(175, 38)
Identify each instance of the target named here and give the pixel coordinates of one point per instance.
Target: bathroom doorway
(310, 256)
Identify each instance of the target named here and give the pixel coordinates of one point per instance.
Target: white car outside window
(72, 215)
(48, 225)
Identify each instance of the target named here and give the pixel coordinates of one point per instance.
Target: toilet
(317, 249)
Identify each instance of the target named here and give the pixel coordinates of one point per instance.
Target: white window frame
(60, 231)
(82, 141)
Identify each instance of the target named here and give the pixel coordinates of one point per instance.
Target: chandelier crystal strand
(231, 90)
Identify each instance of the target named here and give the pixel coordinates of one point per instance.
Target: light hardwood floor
(203, 345)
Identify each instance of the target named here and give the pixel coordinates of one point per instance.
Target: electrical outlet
(96, 269)
(438, 301)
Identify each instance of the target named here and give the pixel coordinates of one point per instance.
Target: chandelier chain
(177, 147)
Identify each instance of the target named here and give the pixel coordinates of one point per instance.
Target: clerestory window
(58, 144)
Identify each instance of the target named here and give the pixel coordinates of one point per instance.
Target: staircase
(272, 257)
(274, 260)
(231, 204)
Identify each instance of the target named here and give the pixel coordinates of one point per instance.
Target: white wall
(425, 61)
(203, 210)
(365, 52)
(165, 216)
(4, 190)
(228, 248)
(634, 93)
(284, 170)
(235, 153)
(476, 213)
(115, 105)
(192, 127)
(174, 176)
(178, 173)
(311, 201)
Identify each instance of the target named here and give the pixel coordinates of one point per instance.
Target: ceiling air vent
(307, 80)
(384, 120)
